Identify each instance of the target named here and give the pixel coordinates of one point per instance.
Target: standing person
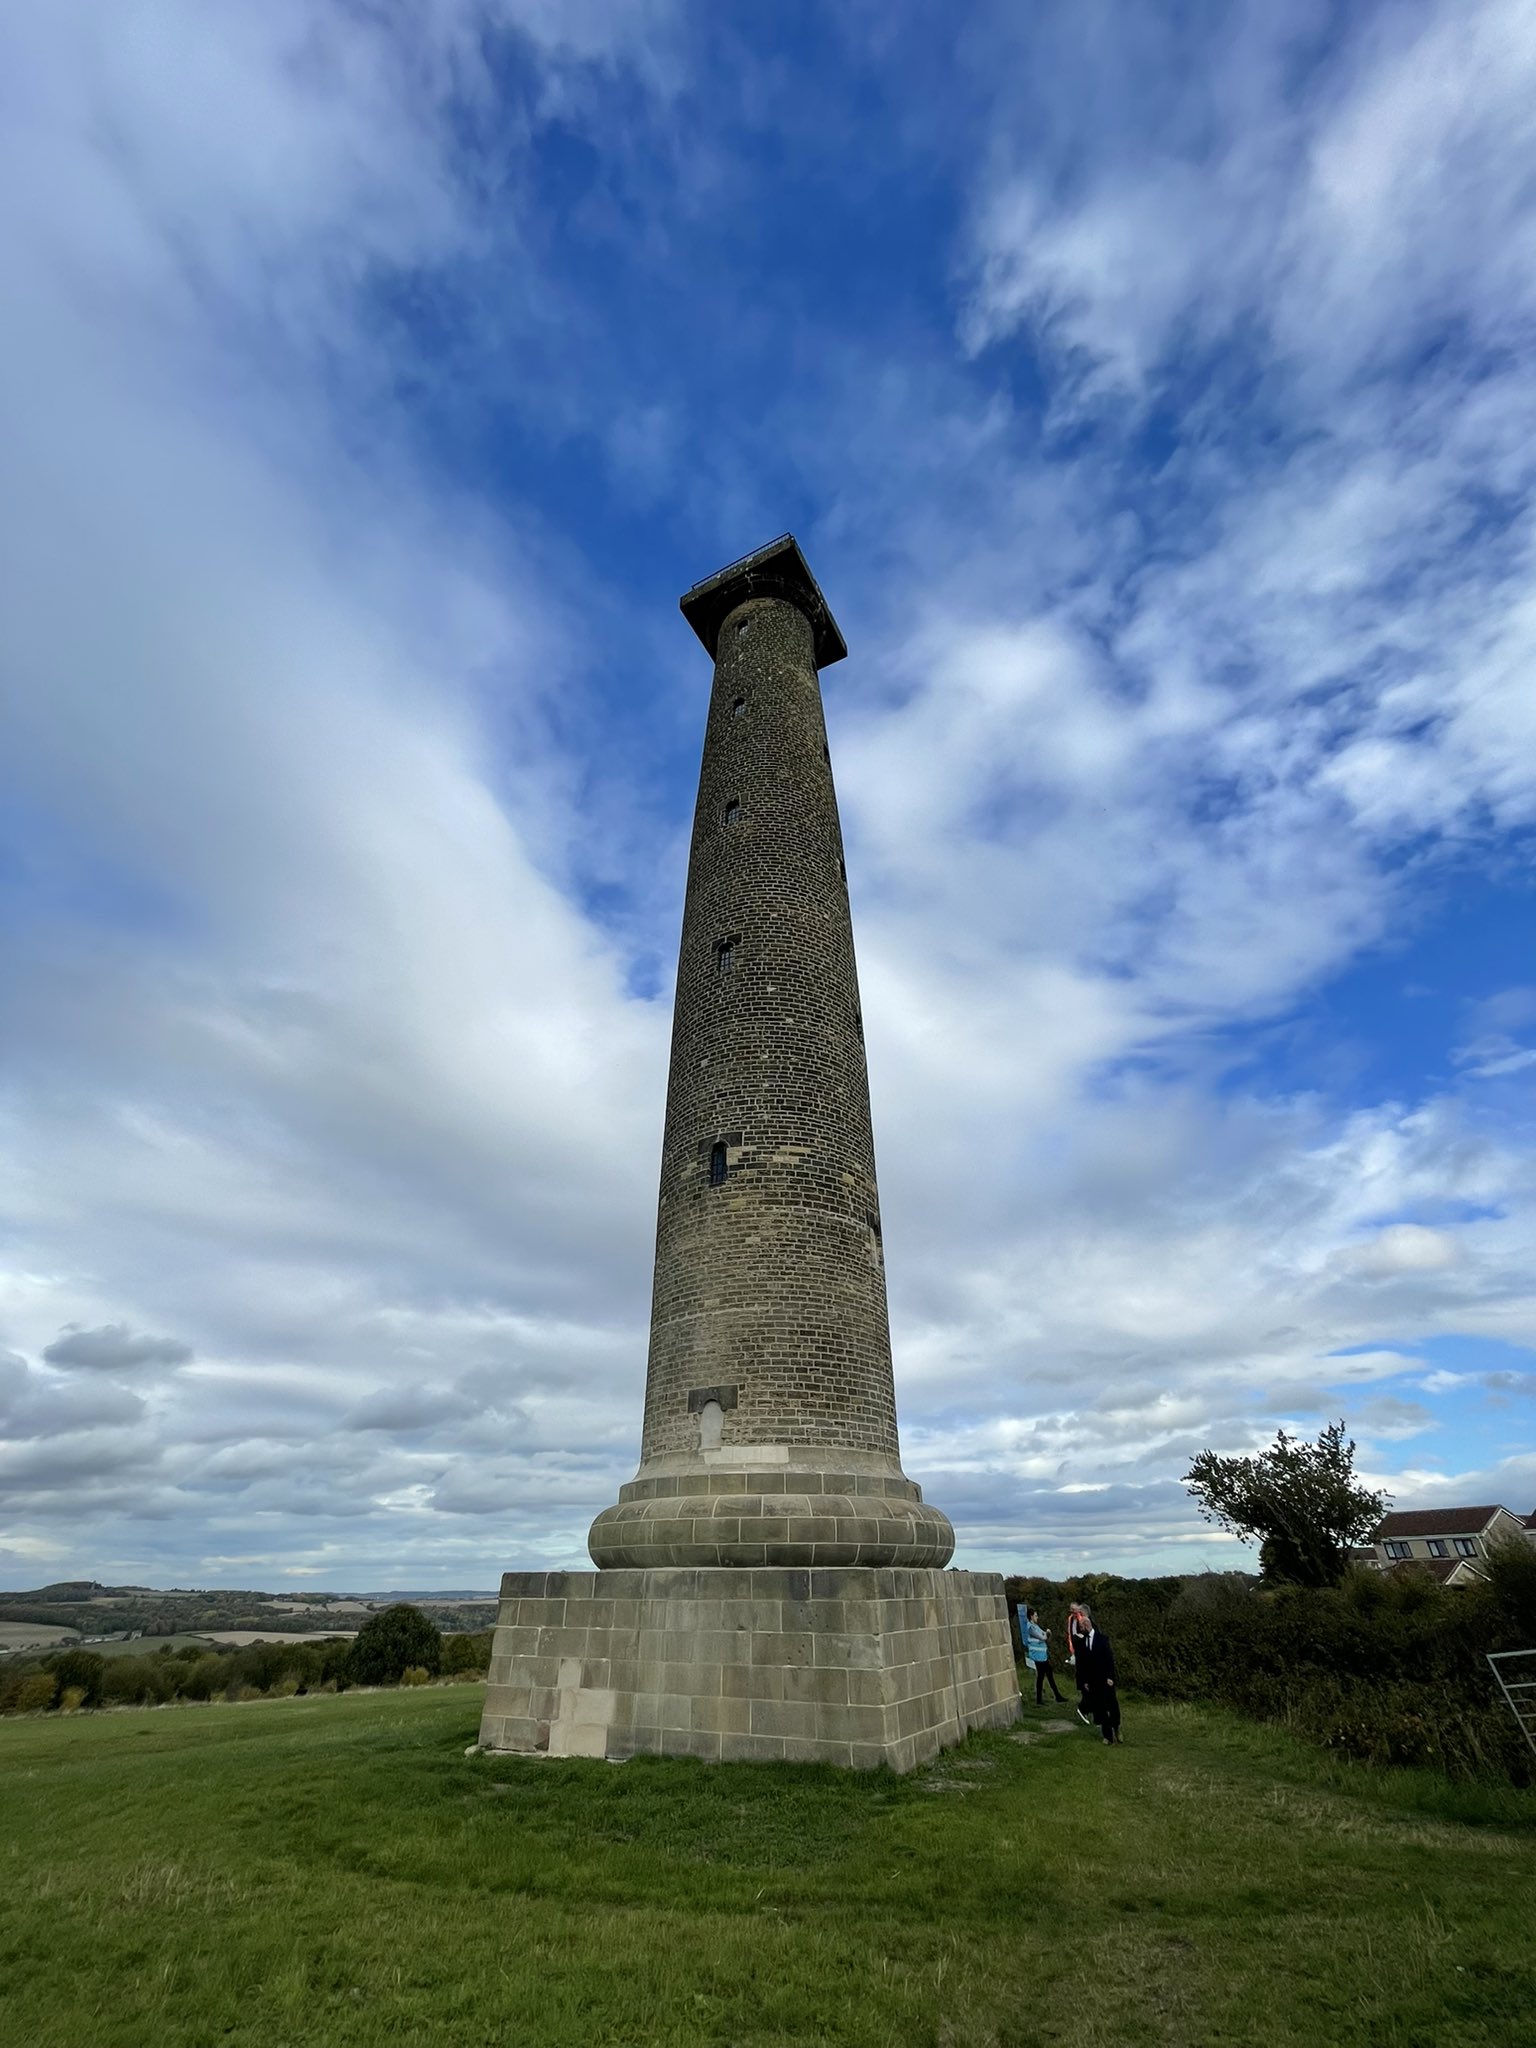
(1037, 1645)
(1079, 1622)
(1096, 1673)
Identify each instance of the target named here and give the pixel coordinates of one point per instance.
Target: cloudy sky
(1153, 389)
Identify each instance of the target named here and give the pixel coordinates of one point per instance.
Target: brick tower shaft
(770, 1416)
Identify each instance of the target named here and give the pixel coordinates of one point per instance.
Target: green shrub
(142, 1681)
(35, 1693)
(79, 1671)
(206, 1676)
(72, 1699)
(416, 1674)
(335, 1665)
(470, 1653)
(393, 1639)
(1511, 1567)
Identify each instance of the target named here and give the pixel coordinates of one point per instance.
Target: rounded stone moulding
(753, 1517)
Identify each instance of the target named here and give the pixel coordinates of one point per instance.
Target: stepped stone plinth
(770, 1583)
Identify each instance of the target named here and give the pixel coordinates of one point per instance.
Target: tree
(467, 1652)
(79, 1671)
(391, 1640)
(1299, 1501)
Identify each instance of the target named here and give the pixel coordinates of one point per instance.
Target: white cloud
(314, 1043)
(1401, 1248)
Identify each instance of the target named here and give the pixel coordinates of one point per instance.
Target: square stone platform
(850, 1665)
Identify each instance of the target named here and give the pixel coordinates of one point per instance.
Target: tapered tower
(770, 1412)
(770, 1582)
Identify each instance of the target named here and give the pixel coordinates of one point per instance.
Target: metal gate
(1515, 1671)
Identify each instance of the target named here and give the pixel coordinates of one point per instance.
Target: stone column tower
(770, 1414)
(770, 1584)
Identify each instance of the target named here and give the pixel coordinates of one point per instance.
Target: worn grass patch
(336, 1870)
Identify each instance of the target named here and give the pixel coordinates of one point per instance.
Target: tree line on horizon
(398, 1645)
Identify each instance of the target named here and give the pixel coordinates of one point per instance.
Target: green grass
(336, 1870)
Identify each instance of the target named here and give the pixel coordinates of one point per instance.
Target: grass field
(336, 1870)
(32, 1635)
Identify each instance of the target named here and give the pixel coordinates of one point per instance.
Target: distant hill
(93, 1609)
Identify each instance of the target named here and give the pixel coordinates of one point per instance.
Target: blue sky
(1151, 390)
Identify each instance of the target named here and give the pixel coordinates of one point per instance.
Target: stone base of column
(851, 1665)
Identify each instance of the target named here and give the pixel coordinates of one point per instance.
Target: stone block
(577, 1738)
(751, 1749)
(723, 1716)
(784, 1717)
(817, 1749)
(748, 1681)
(822, 1682)
(742, 1664)
(868, 1688)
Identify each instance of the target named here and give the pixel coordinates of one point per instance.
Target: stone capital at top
(777, 570)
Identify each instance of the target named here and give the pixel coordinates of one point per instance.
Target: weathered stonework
(770, 1409)
(852, 1667)
(770, 1581)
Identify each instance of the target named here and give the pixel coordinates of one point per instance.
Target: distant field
(242, 1636)
(146, 1646)
(31, 1635)
(336, 1871)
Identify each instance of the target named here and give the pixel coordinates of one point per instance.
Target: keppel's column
(770, 1412)
(770, 1582)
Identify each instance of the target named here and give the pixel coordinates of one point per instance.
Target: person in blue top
(1037, 1647)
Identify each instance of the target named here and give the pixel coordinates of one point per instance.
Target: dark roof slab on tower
(777, 570)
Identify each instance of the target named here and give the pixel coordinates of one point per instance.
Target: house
(1448, 1542)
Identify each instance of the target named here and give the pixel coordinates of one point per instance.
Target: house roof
(1441, 1568)
(1435, 1522)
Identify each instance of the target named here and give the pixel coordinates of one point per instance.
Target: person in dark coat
(1079, 1621)
(1098, 1678)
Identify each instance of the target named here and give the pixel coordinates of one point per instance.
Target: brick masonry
(858, 1667)
(773, 1281)
(769, 1434)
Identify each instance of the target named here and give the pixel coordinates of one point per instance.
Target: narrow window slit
(739, 708)
(732, 812)
(725, 954)
(716, 1164)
